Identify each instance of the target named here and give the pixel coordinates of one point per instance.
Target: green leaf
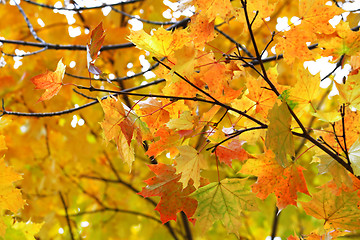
(20, 230)
(223, 201)
(279, 137)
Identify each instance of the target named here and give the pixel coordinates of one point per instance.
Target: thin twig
(118, 79)
(178, 98)
(233, 41)
(66, 47)
(50, 114)
(143, 20)
(235, 134)
(81, 8)
(108, 209)
(67, 215)
(342, 111)
(31, 28)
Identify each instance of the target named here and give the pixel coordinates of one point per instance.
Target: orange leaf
(273, 178)
(96, 41)
(338, 211)
(51, 81)
(234, 150)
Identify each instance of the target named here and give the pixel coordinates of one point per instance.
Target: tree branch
(50, 114)
(186, 226)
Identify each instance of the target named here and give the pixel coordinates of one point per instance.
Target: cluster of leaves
(235, 141)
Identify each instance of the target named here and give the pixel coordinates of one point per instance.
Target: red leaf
(174, 198)
(93, 48)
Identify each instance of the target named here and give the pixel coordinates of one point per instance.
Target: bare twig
(81, 8)
(66, 215)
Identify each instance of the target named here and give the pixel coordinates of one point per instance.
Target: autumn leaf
(93, 48)
(174, 198)
(223, 201)
(338, 211)
(279, 137)
(215, 8)
(161, 43)
(354, 155)
(350, 91)
(189, 163)
(50, 81)
(184, 122)
(306, 90)
(263, 99)
(10, 197)
(117, 126)
(316, 15)
(153, 113)
(327, 164)
(232, 151)
(285, 183)
(166, 139)
(16, 230)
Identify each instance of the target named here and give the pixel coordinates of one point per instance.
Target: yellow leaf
(162, 43)
(118, 127)
(10, 197)
(188, 164)
(184, 122)
(350, 91)
(354, 155)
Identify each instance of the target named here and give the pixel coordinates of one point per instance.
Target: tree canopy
(189, 119)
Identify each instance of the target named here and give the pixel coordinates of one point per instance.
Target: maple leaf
(223, 201)
(350, 91)
(51, 81)
(93, 48)
(117, 126)
(184, 122)
(167, 141)
(162, 43)
(263, 99)
(338, 211)
(152, 113)
(316, 15)
(279, 137)
(10, 197)
(354, 155)
(16, 230)
(273, 178)
(327, 164)
(189, 163)
(232, 151)
(306, 89)
(214, 8)
(218, 78)
(174, 198)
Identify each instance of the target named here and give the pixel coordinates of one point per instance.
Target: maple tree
(203, 123)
